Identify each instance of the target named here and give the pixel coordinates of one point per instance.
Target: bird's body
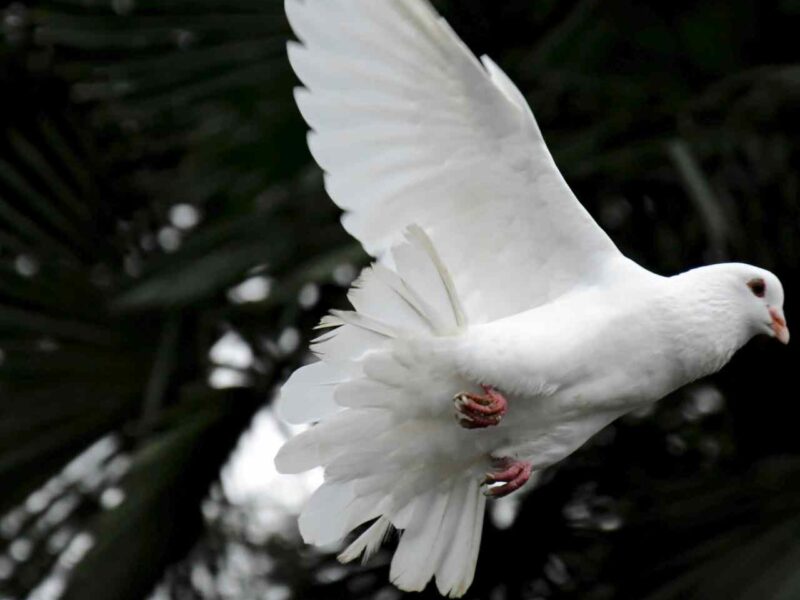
(490, 276)
(572, 366)
(613, 345)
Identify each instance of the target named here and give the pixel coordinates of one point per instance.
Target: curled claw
(475, 411)
(511, 473)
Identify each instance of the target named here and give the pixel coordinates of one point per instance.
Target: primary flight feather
(496, 299)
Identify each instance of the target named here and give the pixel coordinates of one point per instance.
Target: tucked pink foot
(510, 473)
(476, 411)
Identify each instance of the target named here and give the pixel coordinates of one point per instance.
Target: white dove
(496, 297)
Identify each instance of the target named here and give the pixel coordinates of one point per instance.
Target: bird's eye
(758, 286)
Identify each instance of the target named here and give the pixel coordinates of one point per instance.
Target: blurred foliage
(152, 164)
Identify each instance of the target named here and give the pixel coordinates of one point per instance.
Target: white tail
(385, 435)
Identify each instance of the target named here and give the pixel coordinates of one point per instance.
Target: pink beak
(779, 325)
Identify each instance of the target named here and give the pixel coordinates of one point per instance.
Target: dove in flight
(499, 327)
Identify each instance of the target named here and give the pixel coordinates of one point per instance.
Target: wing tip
(302, 99)
(292, 10)
(293, 48)
(297, 455)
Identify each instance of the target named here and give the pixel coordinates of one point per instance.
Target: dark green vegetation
(676, 124)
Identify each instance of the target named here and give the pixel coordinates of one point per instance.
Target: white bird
(496, 298)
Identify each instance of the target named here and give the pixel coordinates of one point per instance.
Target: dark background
(675, 122)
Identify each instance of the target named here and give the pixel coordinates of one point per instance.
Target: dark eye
(758, 286)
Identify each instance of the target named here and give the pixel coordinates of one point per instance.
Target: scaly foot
(475, 411)
(509, 472)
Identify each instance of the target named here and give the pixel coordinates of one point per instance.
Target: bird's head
(755, 295)
(764, 302)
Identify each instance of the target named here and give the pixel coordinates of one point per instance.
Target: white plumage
(411, 128)
(490, 273)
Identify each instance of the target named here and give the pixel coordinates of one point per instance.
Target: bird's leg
(509, 472)
(475, 411)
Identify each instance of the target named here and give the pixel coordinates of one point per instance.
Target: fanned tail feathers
(383, 426)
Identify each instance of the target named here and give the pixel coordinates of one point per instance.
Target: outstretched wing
(411, 128)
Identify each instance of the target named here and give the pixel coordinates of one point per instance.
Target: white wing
(411, 128)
